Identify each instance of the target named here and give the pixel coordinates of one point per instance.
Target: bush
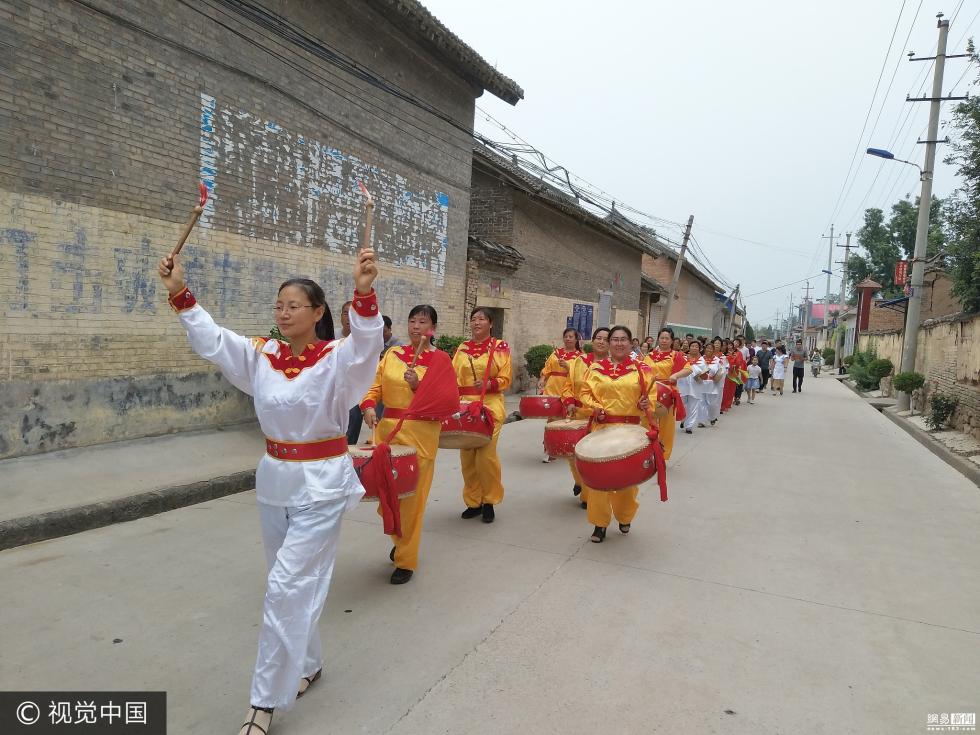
(828, 354)
(864, 358)
(908, 382)
(587, 348)
(880, 368)
(448, 343)
(847, 360)
(942, 409)
(536, 357)
(274, 333)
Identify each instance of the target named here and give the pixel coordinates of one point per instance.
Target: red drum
(560, 437)
(542, 407)
(464, 431)
(615, 458)
(665, 399)
(404, 465)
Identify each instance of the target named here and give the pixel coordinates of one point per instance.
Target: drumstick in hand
(195, 216)
(368, 216)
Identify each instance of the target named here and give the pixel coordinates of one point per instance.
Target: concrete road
(815, 571)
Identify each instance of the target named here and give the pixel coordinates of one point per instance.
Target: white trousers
(694, 407)
(713, 405)
(300, 549)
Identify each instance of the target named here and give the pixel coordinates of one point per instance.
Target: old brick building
(539, 259)
(697, 308)
(112, 112)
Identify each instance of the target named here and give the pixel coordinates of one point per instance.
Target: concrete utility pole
(830, 259)
(839, 344)
(677, 274)
(806, 312)
(734, 300)
(914, 310)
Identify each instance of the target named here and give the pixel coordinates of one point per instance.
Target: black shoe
(472, 512)
(714, 421)
(598, 535)
(688, 431)
(624, 528)
(401, 576)
(487, 513)
(577, 490)
(682, 424)
(584, 505)
(392, 554)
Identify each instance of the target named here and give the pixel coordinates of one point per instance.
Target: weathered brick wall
(694, 301)
(107, 129)
(948, 354)
(491, 209)
(885, 319)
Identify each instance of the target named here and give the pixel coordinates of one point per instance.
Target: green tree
(881, 252)
(962, 210)
(904, 222)
(749, 332)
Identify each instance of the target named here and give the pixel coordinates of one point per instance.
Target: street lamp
(913, 308)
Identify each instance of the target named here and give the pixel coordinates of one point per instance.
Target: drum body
(615, 458)
(404, 465)
(464, 431)
(665, 400)
(560, 437)
(542, 407)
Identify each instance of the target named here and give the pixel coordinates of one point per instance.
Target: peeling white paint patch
(286, 187)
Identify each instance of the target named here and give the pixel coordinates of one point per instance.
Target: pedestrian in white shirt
(303, 387)
(690, 391)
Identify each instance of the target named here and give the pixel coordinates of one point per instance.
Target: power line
(787, 285)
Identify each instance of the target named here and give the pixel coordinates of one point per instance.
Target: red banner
(901, 272)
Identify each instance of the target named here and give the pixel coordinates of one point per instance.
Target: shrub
(862, 378)
(274, 333)
(536, 357)
(448, 343)
(880, 368)
(587, 348)
(828, 354)
(847, 360)
(942, 409)
(908, 382)
(864, 358)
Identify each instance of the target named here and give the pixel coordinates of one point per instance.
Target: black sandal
(624, 528)
(310, 681)
(251, 724)
(392, 554)
(598, 535)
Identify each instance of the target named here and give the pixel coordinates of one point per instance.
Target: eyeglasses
(280, 309)
(621, 339)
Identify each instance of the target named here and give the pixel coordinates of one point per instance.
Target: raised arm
(237, 356)
(357, 355)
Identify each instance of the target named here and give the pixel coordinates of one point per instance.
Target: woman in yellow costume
(668, 366)
(483, 368)
(402, 372)
(555, 373)
(613, 395)
(574, 408)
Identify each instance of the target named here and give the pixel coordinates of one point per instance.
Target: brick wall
(948, 354)
(108, 129)
(885, 319)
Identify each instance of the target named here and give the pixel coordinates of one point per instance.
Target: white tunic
(310, 404)
(687, 386)
(708, 386)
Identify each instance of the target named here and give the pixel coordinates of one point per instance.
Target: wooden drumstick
(368, 216)
(422, 348)
(472, 368)
(195, 216)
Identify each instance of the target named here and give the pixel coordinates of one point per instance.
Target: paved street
(815, 571)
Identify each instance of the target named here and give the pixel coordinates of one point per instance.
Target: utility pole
(806, 313)
(914, 309)
(789, 319)
(734, 300)
(839, 345)
(677, 274)
(830, 259)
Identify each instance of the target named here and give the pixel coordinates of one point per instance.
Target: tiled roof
(414, 19)
(492, 251)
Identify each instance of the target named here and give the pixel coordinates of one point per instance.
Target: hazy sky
(745, 114)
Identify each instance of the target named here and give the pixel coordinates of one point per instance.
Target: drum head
(567, 425)
(615, 442)
(462, 440)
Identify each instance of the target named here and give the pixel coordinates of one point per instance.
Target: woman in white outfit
(713, 381)
(303, 388)
(778, 369)
(689, 389)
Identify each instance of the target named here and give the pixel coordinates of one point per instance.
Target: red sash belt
(306, 451)
(404, 413)
(472, 390)
(613, 419)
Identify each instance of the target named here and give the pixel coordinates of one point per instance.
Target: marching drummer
(555, 373)
(404, 373)
(303, 387)
(574, 408)
(670, 366)
(613, 394)
(483, 372)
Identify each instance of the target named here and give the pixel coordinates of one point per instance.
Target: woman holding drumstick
(483, 368)
(555, 373)
(303, 388)
(669, 366)
(404, 373)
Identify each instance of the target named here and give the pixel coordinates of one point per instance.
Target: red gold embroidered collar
(292, 365)
(406, 354)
